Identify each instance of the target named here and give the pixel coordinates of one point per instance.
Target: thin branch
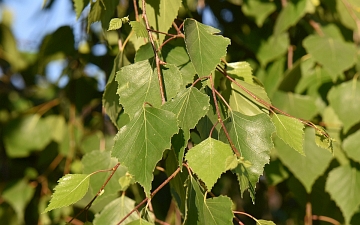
(176, 28)
(101, 190)
(151, 195)
(316, 27)
(326, 219)
(290, 56)
(160, 32)
(308, 214)
(221, 121)
(199, 79)
(157, 59)
(136, 10)
(246, 214)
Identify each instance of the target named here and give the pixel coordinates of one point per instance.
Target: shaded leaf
(101, 10)
(140, 222)
(79, 6)
(323, 140)
(208, 160)
(273, 48)
(335, 55)
(115, 211)
(71, 188)
(346, 94)
(289, 16)
(290, 130)
(241, 71)
(204, 47)
(306, 168)
(258, 9)
(189, 106)
(97, 160)
(18, 195)
(251, 135)
(140, 144)
(343, 185)
(138, 83)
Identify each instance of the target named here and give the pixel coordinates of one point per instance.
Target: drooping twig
(151, 195)
(101, 190)
(221, 121)
(316, 27)
(326, 219)
(157, 59)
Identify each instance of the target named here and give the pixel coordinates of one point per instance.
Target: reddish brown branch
(151, 195)
(136, 10)
(308, 215)
(87, 207)
(316, 27)
(326, 219)
(290, 56)
(221, 121)
(157, 59)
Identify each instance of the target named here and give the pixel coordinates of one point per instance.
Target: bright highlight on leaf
(204, 47)
(290, 130)
(208, 160)
(140, 144)
(116, 23)
(71, 189)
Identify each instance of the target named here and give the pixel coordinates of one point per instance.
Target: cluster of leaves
(181, 108)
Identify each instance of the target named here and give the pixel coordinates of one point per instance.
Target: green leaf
(177, 55)
(204, 47)
(58, 125)
(346, 17)
(140, 222)
(22, 135)
(346, 94)
(116, 23)
(251, 135)
(273, 48)
(18, 195)
(258, 9)
(138, 83)
(139, 29)
(71, 188)
(110, 100)
(144, 52)
(242, 102)
(189, 106)
(265, 222)
(323, 140)
(274, 76)
(161, 14)
(306, 168)
(215, 210)
(97, 160)
(240, 70)
(290, 130)
(299, 106)
(343, 185)
(208, 159)
(140, 144)
(289, 16)
(79, 6)
(275, 172)
(115, 211)
(351, 146)
(334, 55)
(101, 10)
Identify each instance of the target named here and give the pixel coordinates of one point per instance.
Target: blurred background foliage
(305, 52)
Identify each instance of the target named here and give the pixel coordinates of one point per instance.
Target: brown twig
(151, 195)
(157, 59)
(316, 27)
(326, 219)
(290, 56)
(221, 121)
(101, 190)
(246, 214)
(136, 10)
(308, 215)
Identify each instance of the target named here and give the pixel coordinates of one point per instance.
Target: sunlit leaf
(115, 211)
(273, 48)
(116, 23)
(343, 185)
(205, 48)
(79, 6)
(265, 222)
(289, 16)
(189, 106)
(161, 15)
(258, 9)
(208, 159)
(139, 29)
(351, 146)
(71, 188)
(290, 130)
(139, 84)
(306, 168)
(344, 99)
(139, 145)
(335, 55)
(251, 135)
(140, 222)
